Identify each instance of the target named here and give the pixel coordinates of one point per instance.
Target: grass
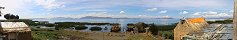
(44, 35)
(49, 34)
(142, 37)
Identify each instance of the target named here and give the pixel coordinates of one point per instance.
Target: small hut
(14, 31)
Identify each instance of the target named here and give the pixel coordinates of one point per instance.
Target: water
(123, 22)
(109, 20)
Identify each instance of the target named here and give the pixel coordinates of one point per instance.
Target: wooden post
(235, 21)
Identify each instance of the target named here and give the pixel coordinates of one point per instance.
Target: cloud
(165, 16)
(50, 4)
(122, 12)
(212, 14)
(152, 9)
(98, 14)
(187, 3)
(17, 7)
(146, 16)
(165, 11)
(197, 13)
(184, 12)
(30, 8)
(231, 11)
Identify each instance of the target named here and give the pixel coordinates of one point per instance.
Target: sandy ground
(106, 36)
(95, 35)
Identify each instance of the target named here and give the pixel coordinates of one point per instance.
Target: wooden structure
(235, 21)
(139, 27)
(115, 28)
(14, 31)
(190, 25)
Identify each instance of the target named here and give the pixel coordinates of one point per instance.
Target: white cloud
(231, 11)
(152, 9)
(165, 11)
(212, 14)
(99, 14)
(197, 13)
(122, 12)
(146, 16)
(17, 7)
(165, 16)
(187, 3)
(50, 4)
(184, 12)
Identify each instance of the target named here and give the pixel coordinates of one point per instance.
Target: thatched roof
(189, 25)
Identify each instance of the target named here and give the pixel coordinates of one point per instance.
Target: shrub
(49, 25)
(81, 27)
(95, 28)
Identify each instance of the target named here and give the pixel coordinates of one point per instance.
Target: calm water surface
(123, 22)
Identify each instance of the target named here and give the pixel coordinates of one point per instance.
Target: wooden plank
(235, 21)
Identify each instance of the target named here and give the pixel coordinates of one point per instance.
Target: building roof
(189, 26)
(14, 27)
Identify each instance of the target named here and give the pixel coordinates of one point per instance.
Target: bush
(49, 25)
(81, 27)
(227, 21)
(95, 28)
(154, 29)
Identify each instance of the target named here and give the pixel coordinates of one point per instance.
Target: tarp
(14, 27)
(196, 20)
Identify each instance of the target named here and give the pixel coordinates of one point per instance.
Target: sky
(118, 8)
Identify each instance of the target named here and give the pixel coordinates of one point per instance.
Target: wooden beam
(235, 21)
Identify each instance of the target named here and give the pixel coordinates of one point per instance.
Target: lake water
(123, 22)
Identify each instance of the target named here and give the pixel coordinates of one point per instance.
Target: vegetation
(166, 27)
(95, 28)
(166, 31)
(140, 26)
(49, 34)
(49, 25)
(167, 34)
(11, 16)
(227, 21)
(154, 29)
(63, 25)
(81, 27)
(44, 34)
